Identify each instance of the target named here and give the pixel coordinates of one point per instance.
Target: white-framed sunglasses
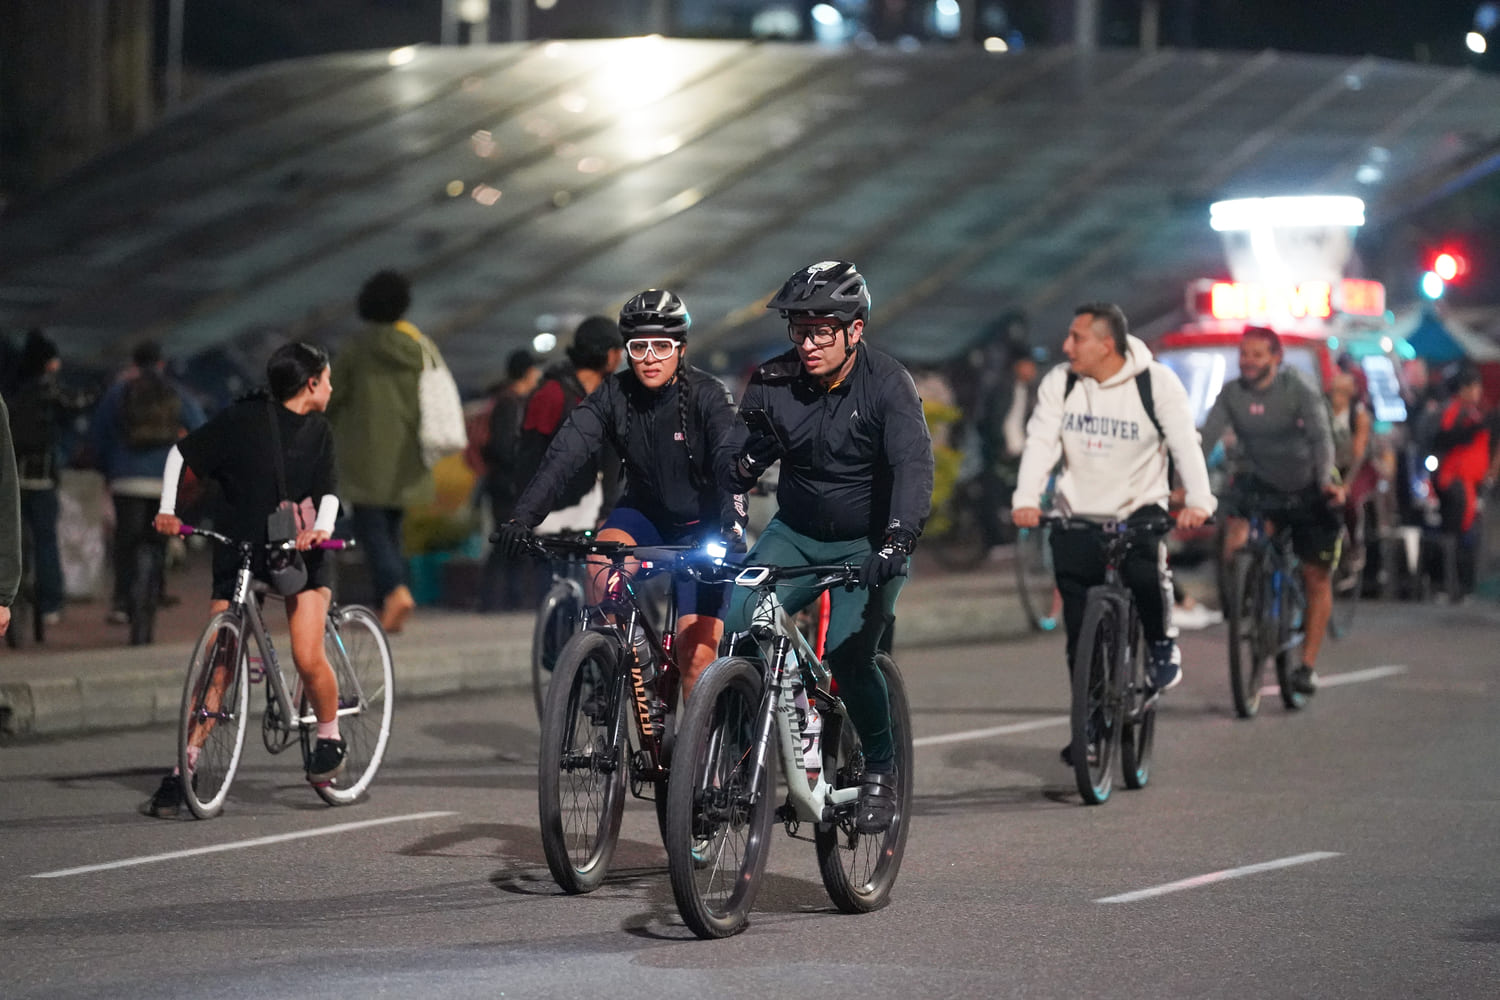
(660, 348)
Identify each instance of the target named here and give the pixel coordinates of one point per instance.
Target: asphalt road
(1344, 851)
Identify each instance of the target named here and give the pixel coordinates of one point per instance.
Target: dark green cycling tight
(857, 620)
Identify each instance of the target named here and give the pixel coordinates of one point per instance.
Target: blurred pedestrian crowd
(90, 450)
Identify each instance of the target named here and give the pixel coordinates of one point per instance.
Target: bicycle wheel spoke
(360, 656)
(211, 726)
(581, 770)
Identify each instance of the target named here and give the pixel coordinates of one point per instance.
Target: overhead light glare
(1286, 212)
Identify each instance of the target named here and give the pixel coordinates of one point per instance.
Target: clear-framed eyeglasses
(822, 334)
(660, 348)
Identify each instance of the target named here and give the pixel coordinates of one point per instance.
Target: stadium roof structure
(525, 186)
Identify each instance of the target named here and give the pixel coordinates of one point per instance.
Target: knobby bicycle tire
(213, 715)
(1348, 582)
(1035, 582)
(1288, 651)
(718, 826)
(858, 869)
(556, 622)
(962, 546)
(1247, 614)
(1096, 697)
(582, 764)
(360, 655)
(1138, 728)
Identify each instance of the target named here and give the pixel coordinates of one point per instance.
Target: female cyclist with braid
(672, 425)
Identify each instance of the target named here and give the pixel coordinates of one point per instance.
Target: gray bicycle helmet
(828, 288)
(655, 312)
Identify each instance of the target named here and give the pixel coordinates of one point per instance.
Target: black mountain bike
(1114, 704)
(1264, 605)
(609, 706)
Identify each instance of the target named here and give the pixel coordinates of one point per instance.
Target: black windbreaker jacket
(646, 428)
(858, 456)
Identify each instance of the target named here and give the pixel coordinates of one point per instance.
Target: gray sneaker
(1305, 681)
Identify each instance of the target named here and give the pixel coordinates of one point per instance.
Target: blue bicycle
(1265, 605)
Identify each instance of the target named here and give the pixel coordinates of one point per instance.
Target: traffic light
(1445, 265)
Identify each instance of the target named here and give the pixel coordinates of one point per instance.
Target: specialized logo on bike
(1093, 425)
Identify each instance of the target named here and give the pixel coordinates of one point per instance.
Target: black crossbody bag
(285, 567)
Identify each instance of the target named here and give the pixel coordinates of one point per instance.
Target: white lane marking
(1349, 677)
(241, 845)
(981, 734)
(1324, 680)
(1212, 877)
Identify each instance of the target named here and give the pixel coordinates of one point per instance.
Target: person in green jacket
(10, 522)
(376, 420)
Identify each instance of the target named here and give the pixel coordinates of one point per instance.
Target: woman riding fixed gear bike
(263, 450)
(855, 487)
(672, 425)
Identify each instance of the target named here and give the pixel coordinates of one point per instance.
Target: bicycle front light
(716, 551)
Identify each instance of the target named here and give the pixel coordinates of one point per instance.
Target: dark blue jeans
(39, 520)
(378, 532)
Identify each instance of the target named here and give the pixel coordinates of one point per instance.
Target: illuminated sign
(1309, 300)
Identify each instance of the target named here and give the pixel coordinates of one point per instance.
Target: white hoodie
(1114, 461)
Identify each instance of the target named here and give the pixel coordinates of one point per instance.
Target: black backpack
(33, 420)
(152, 411)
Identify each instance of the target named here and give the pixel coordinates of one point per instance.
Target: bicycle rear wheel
(1246, 610)
(556, 621)
(211, 724)
(360, 655)
(1288, 652)
(718, 816)
(1096, 697)
(1035, 582)
(1138, 728)
(582, 767)
(859, 869)
(962, 545)
(1348, 581)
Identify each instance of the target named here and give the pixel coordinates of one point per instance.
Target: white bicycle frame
(814, 802)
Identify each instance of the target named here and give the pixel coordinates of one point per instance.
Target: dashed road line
(980, 734)
(240, 845)
(1211, 878)
(1347, 677)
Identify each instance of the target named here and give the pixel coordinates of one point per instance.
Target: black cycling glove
(761, 450)
(514, 539)
(889, 561)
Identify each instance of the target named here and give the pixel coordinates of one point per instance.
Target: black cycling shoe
(1067, 754)
(877, 803)
(327, 760)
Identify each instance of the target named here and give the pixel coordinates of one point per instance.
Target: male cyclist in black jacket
(856, 487)
(672, 425)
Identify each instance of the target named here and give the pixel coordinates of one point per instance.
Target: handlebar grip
(337, 543)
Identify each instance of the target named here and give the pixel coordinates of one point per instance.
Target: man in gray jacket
(1284, 467)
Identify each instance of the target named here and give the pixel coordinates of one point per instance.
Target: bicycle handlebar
(1159, 526)
(829, 574)
(330, 543)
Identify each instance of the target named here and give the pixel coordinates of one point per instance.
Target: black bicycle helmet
(828, 288)
(655, 313)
